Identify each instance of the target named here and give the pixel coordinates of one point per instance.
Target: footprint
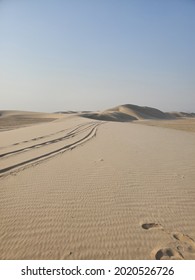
(183, 246)
(187, 243)
(151, 226)
(167, 253)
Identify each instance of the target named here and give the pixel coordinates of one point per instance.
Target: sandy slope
(77, 188)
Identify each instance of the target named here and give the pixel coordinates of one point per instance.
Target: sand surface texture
(80, 188)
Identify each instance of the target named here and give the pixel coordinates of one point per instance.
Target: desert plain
(118, 184)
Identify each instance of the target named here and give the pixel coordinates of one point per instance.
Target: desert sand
(118, 184)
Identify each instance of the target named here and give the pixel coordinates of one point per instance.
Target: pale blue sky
(95, 54)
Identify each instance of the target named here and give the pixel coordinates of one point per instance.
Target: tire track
(72, 133)
(45, 136)
(36, 160)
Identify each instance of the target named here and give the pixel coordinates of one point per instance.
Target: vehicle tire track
(45, 136)
(70, 134)
(30, 162)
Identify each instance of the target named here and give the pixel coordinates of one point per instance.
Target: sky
(96, 54)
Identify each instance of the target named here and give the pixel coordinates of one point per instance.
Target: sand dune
(141, 112)
(16, 119)
(129, 112)
(79, 188)
(182, 114)
(110, 116)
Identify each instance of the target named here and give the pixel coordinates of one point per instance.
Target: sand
(80, 188)
(187, 124)
(15, 119)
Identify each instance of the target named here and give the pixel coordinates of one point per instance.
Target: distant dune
(14, 119)
(182, 115)
(129, 112)
(116, 116)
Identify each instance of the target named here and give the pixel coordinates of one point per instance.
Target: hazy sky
(95, 54)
